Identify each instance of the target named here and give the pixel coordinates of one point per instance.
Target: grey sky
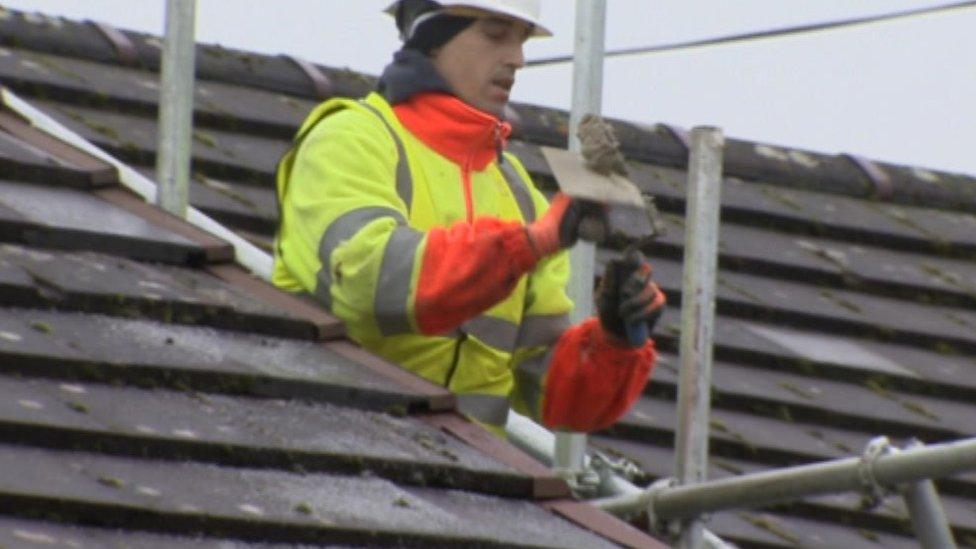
(903, 92)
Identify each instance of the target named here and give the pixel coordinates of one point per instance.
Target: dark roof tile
(192, 498)
(64, 218)
(245, 206)
(246, 432)
(893, 513)
(25, 163)
(745, 435)
(92, 282)
(76, 39)
(65, 165)
(81, 82)
(37, 533)
(802, 211)
(765, 529)
(222, 153)
(16, 286)
(90, 346)
(868, 407)
(836, 310)
(829, 263)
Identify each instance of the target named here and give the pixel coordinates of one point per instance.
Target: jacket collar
(467, 136)
(427, 107)
(410, 73)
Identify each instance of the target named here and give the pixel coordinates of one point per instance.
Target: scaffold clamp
(655, 523)
(873, 493)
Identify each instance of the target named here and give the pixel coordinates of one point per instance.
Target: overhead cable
(766, 34)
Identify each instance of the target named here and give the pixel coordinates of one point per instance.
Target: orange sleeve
(468, 268)
(592, 381)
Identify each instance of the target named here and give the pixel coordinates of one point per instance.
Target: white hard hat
(524, 10)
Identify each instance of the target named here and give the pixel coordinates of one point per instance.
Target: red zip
(466, 170)
(466, 185)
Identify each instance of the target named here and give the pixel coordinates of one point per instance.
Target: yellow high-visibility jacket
(415, 239)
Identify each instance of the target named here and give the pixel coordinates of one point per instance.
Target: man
(402, 214)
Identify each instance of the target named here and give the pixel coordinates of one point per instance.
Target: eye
(496, 32)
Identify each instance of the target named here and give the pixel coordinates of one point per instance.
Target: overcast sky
(903, 92)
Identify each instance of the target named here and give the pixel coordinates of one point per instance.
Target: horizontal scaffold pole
(792, 483)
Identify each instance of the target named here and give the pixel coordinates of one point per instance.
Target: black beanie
(407, 11)
(437, 31)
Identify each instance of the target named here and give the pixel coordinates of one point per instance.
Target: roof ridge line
(86, 40)
(843, 173)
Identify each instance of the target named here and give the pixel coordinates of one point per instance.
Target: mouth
(501, 88)
(504, 83)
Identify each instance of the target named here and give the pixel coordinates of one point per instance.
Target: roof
(846, 302)
(153, 393)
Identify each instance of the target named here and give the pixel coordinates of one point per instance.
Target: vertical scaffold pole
(591, 16)
(928, 518)
(176, 107)
(698, 316)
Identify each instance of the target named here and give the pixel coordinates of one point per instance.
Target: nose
(516, 57)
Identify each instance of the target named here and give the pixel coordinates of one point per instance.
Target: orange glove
(593, 380)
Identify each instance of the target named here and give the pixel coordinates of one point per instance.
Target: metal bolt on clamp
(656, 524)
(873, 492)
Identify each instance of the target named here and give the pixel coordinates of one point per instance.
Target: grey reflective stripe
(529, 375)
(520, 189)
(404, 181)
(340, 230)
(542, 329)
(393, 286)
(498, 333)
(490, 409)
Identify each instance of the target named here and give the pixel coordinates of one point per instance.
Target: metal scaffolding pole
(851, 474)
(537, 441)
(176, 107)
(591, 16)
(587, 98)
(698, 317)
(928, 518)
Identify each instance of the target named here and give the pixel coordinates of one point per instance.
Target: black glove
(584, 219)
(628, 300)
(566, 220)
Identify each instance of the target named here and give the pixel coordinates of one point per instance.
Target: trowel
(599, 174)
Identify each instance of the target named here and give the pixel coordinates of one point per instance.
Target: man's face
(480, 62)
